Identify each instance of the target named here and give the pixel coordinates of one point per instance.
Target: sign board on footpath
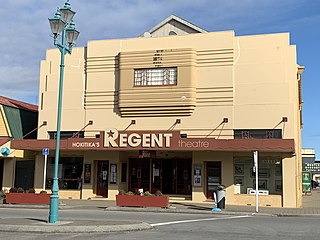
(306, 182)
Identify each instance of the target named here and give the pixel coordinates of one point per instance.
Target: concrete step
(180, 197)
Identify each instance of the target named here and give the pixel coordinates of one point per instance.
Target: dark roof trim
(18, 104)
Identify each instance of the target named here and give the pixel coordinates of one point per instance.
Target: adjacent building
(310, 167)
(17, 120)
(178, 109)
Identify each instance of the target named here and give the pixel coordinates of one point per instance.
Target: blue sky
(25, 36)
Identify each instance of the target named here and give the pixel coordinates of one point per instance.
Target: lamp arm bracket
(66, 49)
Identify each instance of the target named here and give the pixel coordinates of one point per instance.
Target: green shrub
(122, 192)
(2, 195)
(31, 190)
(147, 193)
(158, 193)
(13, 190)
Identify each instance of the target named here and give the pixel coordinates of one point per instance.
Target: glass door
(24, 176)
(176, 176)
(168, 173)
(156, 175)
(139, 174)
(213, 177)
(183, 176)
(102, 178)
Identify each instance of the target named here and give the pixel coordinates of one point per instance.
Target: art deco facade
(178, 109)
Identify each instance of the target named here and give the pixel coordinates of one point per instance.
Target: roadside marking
(197, 220)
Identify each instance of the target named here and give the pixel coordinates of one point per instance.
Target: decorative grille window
(155, 76)
(66, 134)
(258, 133)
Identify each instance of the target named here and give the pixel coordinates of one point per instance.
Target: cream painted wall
(38, 173)
(214, 84)
(8, 173)
(73, 89)
(266, 89)
(289, 183)
(99, 93)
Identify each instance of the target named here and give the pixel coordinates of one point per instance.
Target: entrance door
(183, 176)
(102, 178)
(1, 173)
(24, 176)
(168, 173)
(176, 176)
(156, 175)
(213, 177)
(139, 174)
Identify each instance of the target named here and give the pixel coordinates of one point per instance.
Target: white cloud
(19, 83)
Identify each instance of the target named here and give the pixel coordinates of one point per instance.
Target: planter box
(28, 198)
(142, 201)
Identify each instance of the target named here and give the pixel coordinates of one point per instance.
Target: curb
(60, 228)
(176, 210)
(31, 206)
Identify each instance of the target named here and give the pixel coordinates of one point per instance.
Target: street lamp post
(65, 36)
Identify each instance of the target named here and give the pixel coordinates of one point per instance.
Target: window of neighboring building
(270, 175)
(66, 134)
(69, 173)
(155, 76)
(258, 133)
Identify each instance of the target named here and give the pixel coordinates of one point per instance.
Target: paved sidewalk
(77, 226)
(182, 207)
(311, 207)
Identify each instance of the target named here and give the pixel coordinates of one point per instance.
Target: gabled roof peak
(180, 20)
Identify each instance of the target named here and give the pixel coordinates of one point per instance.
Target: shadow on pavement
(191, 206)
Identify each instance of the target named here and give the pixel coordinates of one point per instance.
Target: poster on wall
(113, 173)
(104, 175)
(197, 176)
(87, 173)
(197, 181)
(156, 172)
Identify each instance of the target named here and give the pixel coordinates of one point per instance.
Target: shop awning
(175, 144)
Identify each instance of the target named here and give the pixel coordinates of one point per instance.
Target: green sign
(311, 167)
(306, 182)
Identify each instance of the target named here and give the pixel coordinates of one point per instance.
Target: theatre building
(177, 109)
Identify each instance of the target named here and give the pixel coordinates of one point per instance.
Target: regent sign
(114, 139)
